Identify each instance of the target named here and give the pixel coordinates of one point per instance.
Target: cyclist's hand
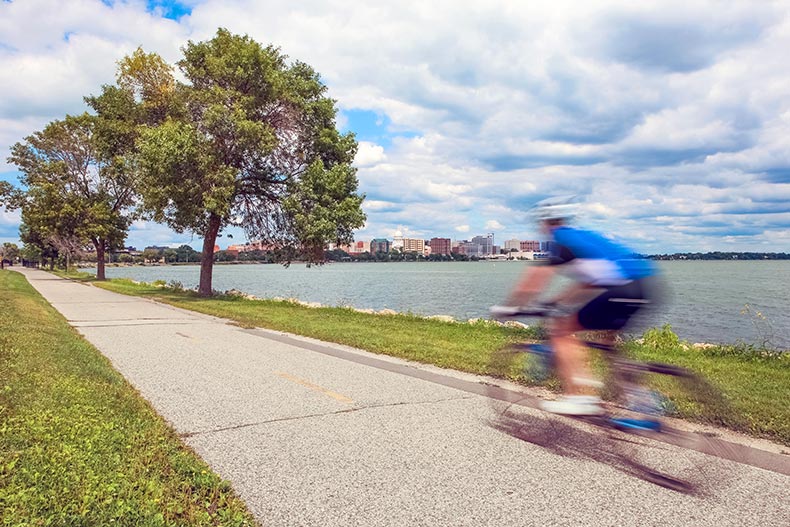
(504, 311)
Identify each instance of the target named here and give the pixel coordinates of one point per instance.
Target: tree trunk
(207, 257)
(99, 244)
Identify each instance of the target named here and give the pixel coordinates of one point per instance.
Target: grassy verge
(78, 445)
(755, 382)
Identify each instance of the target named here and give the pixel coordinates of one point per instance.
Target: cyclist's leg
(571, 355)
(607, 311)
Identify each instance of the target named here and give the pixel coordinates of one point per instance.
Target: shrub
(661, 338)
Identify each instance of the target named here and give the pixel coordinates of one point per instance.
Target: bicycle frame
(626, 373)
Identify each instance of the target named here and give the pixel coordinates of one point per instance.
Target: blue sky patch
(172, 9)
(371, 126)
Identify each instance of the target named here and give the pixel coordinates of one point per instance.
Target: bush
(661, 338)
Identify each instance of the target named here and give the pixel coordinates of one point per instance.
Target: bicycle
(631, 407)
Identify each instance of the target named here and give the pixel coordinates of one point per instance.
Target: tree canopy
(249, 141)
(74, 194)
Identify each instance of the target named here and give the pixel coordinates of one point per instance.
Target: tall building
(512, 244)
(486, 244)
(413, 245)
(380, 245)
(530, 246)
(440, 246)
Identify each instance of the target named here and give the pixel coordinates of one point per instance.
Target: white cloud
(369, 154)
(494, 225)
(9, 217)
(656, 115)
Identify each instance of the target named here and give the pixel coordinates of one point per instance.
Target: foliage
(9, 252)
(250, 141)
(661, 338)
(74, 195)
(763, 327)
(78, 445)
(152, 255)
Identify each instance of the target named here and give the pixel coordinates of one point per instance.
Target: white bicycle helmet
(555, 208)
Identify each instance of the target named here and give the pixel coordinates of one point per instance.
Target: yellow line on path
(341, 398)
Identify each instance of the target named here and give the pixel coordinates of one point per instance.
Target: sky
(669, 120)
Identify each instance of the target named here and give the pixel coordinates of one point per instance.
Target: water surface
(705, 303)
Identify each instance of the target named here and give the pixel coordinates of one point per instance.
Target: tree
(67, 246)
(152, 255)
(187, 254)
(252, 142)
(73, 190)
(225, 256)
(30, 254)
(8, 251)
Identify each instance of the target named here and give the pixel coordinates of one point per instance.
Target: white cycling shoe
(574, 405)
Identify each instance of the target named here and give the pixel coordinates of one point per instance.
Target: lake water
(704, 304)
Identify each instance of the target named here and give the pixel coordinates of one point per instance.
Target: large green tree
(72, 190)
(251, 141)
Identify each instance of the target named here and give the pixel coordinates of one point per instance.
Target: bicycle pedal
(636, 424)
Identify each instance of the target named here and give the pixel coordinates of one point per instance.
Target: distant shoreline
(661, 258)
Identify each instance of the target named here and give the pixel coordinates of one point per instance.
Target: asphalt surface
(308, 438)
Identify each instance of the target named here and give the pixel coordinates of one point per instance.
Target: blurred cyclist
(610, 284)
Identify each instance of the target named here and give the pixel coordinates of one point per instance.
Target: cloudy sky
(670, 119)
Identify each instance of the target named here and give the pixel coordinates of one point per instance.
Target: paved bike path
(307, 438)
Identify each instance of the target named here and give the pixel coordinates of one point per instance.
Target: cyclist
(610, 284)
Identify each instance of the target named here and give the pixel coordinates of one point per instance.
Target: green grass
(78, 445)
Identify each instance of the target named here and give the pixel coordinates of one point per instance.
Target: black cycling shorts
(614, 307)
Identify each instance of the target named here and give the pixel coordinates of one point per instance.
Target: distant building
(254, 245)
(528, 255)
(359, 248)
(380, 245)
(485, 243)
(512, 244)
(440, 245)
(470, 249)
(529, 246)
(413, 245)
(397, 241)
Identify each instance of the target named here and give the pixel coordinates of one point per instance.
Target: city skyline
(670, 122)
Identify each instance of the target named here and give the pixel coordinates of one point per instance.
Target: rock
(387, 312)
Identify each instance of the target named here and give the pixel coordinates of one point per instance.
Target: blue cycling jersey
(595, 260)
